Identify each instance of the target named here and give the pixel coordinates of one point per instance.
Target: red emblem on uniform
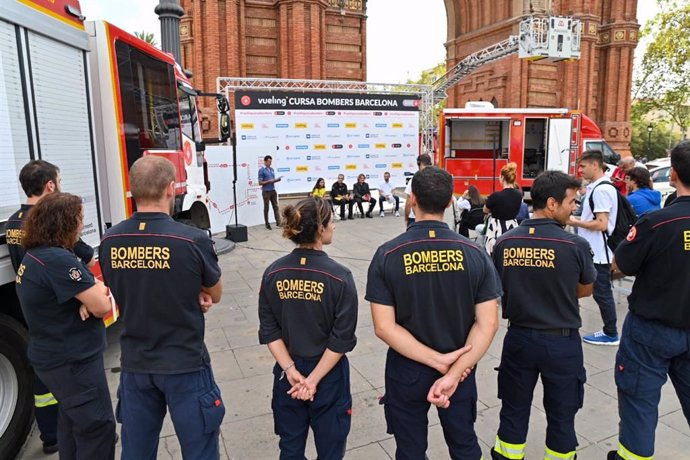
(217, 402)
(632, 233)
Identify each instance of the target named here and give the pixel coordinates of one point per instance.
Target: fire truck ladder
(556, 38)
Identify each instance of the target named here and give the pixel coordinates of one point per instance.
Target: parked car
(661, 176)
(657, 163)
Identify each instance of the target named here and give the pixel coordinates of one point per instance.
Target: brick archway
(320, 39)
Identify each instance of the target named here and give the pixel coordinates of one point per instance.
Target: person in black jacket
(307, 317)
(362, 193)
(655, 343)
(341, 197)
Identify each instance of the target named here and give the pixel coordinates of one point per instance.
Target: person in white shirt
(386, 194)
(423, 161)
(591, 226)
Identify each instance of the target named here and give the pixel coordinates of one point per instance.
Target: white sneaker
(397, 214)
(383, 214)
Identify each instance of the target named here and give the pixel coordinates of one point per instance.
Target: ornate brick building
(326, 39)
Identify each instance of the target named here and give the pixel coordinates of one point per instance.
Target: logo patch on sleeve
(75, 274)
(631, 234)
(432, 233)
(142, 225)
(303, 261)
(531, 230)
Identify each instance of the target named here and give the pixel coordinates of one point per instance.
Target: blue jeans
(196, 410)
(603, 296)
(648, 352)
(406, 409)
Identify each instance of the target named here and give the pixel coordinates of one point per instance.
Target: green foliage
(147, 37)
(663, 138)
(429, 76)
(660, 83)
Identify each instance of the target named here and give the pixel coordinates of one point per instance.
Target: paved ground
(243, 368)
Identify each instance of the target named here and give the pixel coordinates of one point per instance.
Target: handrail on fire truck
(556, 38)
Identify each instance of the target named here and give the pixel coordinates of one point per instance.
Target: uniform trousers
(527, 354)
(406, 408)
(649, 351)
(46, 412)
(329, 415)
(196, 410)
(86, 426)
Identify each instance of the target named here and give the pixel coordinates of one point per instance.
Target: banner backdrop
(249, 201)
(313, 135)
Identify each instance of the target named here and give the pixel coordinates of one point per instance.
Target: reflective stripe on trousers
(625, 454)
(553, 455)
(510, 451)
(45, 400)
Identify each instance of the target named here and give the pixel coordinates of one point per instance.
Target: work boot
(268, 226)
(369, 215)
(351, 217)
(613, 455)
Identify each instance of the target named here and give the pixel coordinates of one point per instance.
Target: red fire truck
(477, 141)
(91, 99)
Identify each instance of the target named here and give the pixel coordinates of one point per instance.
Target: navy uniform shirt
(14, 235)
(657, 252)
(47, 281)
(540, 265)
(433, 277)
(155, 268)
(310, 301)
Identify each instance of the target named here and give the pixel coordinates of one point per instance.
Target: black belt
(561, 331)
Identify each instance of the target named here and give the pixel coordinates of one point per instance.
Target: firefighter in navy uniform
(656, 333)
(62, 304)
(164, 275)
(39, 178)
(544, 270)
(433, 297)
(308, 315)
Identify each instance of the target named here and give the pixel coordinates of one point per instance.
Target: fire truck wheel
(16, 385)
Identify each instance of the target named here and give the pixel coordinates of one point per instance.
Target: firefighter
(308, 314)
(433, 297)
(544, 270)
(62, 303)
(39, 178)
(656, 333)
(164, 275)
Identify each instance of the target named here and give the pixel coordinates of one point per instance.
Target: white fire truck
(91, 99)
(477, 141)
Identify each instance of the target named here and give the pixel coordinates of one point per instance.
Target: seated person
(386, 194)
(340, 197)
(319, 190)
(362, 193)
(468, 203)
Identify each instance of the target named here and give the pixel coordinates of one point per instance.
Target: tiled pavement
(243, 368)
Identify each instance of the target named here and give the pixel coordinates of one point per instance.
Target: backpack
(625, 218)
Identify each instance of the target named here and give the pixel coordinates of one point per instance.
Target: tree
(147, 37)
(660, 83)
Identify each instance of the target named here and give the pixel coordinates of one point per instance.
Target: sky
(400, 43)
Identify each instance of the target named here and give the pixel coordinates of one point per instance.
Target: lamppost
(649, 140)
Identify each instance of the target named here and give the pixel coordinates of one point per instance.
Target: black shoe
(612, 455)
(49, 448)
(361, 216)
(268, 226)
(279, 224)
(342, 217)
(369, 215)
(351, 217)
